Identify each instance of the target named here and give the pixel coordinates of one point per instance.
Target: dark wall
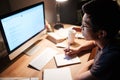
(68, 12)
(4, 7)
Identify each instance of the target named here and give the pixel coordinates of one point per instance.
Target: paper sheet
(62, 60)
(57, 74)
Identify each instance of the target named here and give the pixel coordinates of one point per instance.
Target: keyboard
(43, 58)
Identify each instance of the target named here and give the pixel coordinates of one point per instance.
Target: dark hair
(104, 15)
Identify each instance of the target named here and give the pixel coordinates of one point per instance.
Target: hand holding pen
(69, 51)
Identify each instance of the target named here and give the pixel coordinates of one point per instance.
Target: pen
(68, 49)
(68, 46)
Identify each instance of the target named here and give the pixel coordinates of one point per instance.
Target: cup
(71, 36)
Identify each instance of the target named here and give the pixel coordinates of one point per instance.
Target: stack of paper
(57, 74)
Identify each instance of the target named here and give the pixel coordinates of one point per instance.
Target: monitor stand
(33, 48)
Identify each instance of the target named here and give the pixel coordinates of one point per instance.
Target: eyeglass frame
(82, 26)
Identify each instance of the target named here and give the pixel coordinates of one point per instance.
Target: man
(100, 26)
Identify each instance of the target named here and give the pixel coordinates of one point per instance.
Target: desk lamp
(58, 25)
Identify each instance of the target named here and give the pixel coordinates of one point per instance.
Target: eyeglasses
(83, 27)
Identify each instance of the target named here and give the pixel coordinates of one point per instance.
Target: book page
(62, 60)
(57, 74)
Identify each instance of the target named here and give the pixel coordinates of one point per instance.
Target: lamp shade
(61, 0)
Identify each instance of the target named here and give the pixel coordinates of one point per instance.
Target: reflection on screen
(22, 26)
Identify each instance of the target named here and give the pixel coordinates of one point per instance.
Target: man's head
(102, 17)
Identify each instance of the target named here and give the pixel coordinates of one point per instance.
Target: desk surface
(19, 67)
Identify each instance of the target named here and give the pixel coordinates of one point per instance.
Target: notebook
(57, 74)
(63, 60)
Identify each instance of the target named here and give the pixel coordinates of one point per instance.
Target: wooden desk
(19, 67)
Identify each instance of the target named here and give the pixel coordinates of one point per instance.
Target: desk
(19, 67)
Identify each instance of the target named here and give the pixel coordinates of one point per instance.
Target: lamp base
(58, 26)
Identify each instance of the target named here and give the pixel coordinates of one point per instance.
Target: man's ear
(102, 34)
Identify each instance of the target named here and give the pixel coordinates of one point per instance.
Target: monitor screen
(22, 25)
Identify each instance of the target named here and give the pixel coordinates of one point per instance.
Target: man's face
(87, 29)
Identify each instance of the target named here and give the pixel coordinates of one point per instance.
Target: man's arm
(86, 46)
(84, 73)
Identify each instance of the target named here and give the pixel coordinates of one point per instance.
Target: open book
(58, 36)
(57, 74)
(63, 60)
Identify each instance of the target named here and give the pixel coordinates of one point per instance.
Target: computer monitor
(22, 28)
